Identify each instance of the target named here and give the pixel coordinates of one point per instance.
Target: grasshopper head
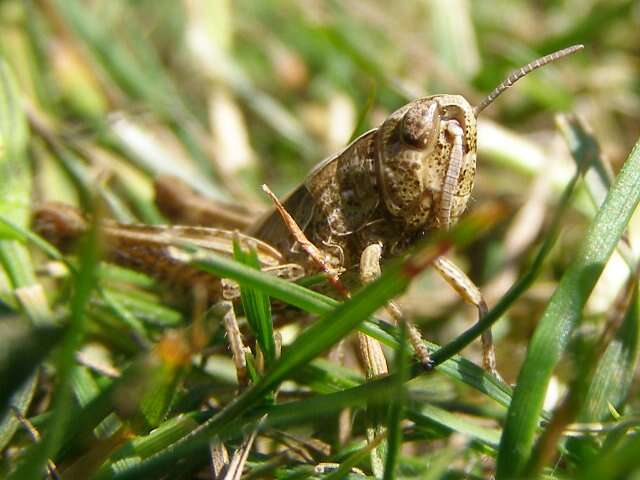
(426, 154)
(427, 160)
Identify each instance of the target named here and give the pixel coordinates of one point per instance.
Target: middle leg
(470, 293)
(370, 271)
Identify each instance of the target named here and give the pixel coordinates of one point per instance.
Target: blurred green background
(228, 95)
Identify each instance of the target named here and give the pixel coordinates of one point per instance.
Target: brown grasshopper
(389, 187)
(369, 202)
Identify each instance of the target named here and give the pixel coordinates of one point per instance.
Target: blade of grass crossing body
(257, 306)
(562, 315)
(314, 302)
(305, 298)
(333, 326)
(316, 339)
(288, 292)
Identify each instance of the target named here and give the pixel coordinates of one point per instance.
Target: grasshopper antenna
(521, 72)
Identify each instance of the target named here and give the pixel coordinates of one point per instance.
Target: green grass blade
(610, 383)
(85, 390)
(84, 282)
(316, 339)
(597, 174)
(24, 235)
(146, 310)
(313, 302)
(18, 360)
(20, 400)
(130, 320)
(431, 414)
(518, 288)
(288, 292)
(160, 388)
(396, 409)
(142, 447)
(355, 458)
(313, 341)
(618, 463)
(122, 395)
(257, 306)
(15, 201)
(562, 315)
(15, 188)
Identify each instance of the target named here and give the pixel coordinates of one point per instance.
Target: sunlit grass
(122, 378)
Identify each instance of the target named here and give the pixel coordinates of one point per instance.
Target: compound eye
(420, 125)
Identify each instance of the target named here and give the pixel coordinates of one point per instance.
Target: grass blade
(431, 414)
(396, 409)
(562, 315)
(315, 340)
(611, 380)
(84, 282)
(20, 400)
(518, 288)
(257, 307)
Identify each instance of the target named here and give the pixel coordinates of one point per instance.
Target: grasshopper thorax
(426, 160)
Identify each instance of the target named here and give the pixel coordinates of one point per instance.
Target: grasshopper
(367, 203)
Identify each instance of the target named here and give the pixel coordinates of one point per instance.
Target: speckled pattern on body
(388, 186)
